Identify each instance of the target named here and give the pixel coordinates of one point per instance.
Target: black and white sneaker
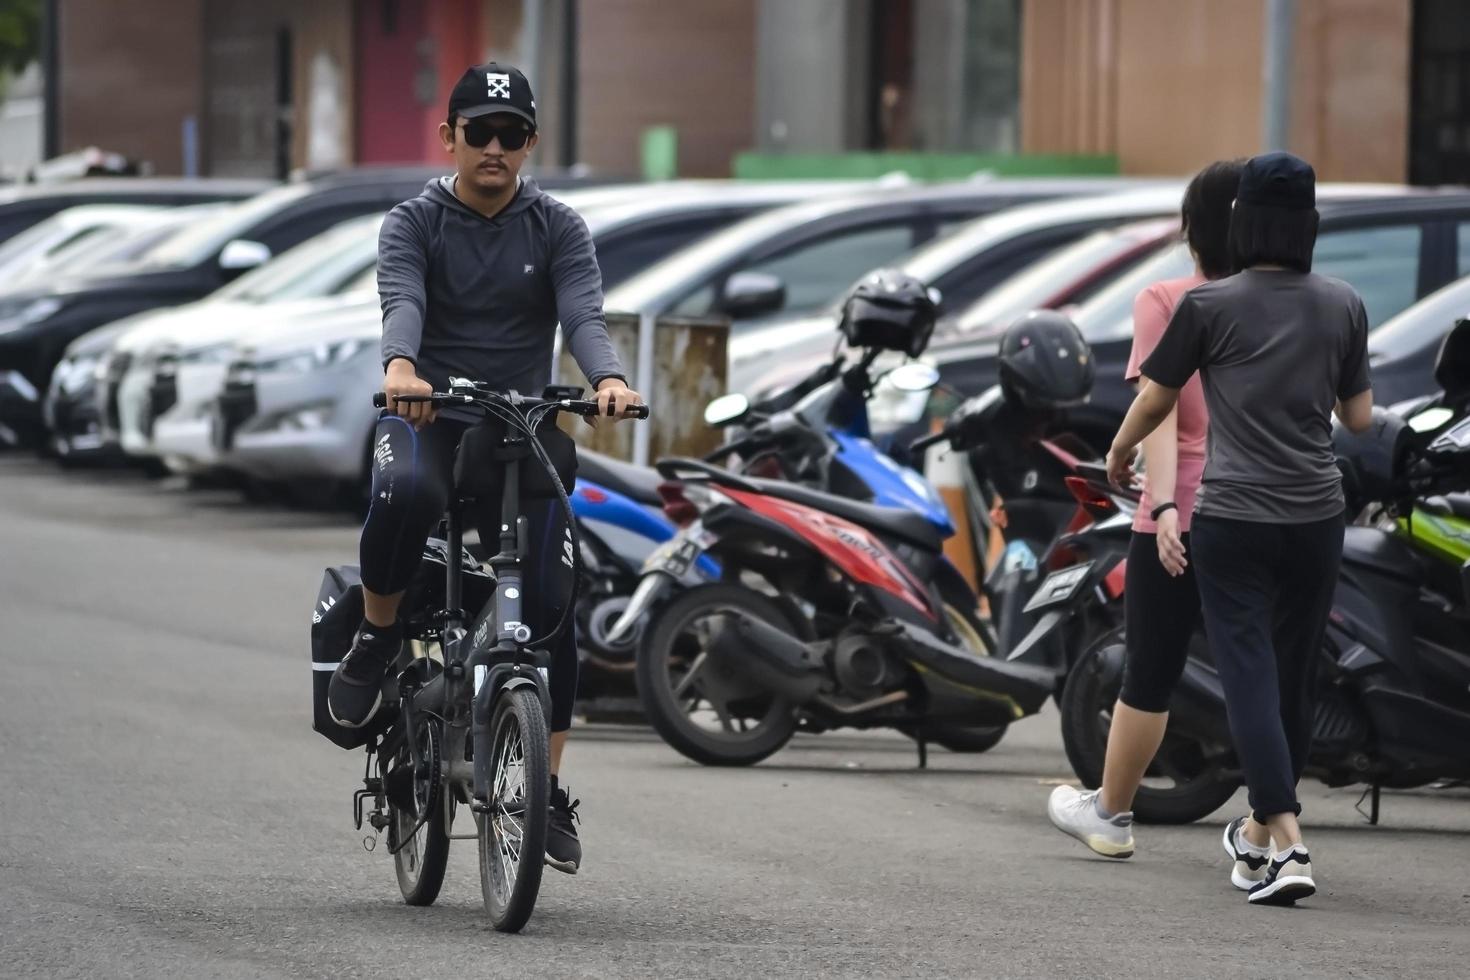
(1288, 880)
(356, 690)
(1250, 861)
(563, 848)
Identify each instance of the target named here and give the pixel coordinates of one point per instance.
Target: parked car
(1402, 352)
(36, 325)
(33, 250)
(1393, 248)
(627, 233)
(24, 205)
(795, 259)
(125, 395)
(964, 266)
(1065, 278)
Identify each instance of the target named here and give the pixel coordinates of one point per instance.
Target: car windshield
(666, 282)
(1422, 325)
(1109, 314)
(202, 240)
(319, 266)
(1038, 283)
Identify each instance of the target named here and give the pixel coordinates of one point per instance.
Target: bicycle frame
(493, 657)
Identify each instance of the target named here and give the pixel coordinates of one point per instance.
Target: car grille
(117, 367)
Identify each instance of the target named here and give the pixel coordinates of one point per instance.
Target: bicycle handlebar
(573, 405)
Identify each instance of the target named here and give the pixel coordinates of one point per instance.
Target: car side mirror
(752, 294)
(241, 255)
(726, 409)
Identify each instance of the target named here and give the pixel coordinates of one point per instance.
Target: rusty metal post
(685, 364)
(645, 382)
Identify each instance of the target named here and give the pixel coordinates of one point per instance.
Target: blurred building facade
(1380, 88)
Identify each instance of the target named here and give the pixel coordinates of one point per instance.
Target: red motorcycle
(830, 613)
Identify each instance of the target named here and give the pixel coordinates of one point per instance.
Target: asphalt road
(166, 811)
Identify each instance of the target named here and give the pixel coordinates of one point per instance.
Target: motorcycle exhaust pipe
(770, 656)
(1025, 685)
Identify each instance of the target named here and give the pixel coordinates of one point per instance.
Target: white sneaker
(1288, 880)
(1075, 814)
(1250, 861)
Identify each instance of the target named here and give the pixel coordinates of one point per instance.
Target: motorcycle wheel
(680, 687)
(1179, 787)
(973, 633)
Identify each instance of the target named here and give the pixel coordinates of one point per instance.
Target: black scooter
(1393, 704)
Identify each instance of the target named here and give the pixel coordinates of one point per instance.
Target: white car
(296, 407)
(33, 253)
(164, 372)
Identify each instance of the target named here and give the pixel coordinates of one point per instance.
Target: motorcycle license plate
(675, 555)
(1060, 587)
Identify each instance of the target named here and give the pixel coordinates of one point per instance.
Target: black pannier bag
(334, 622)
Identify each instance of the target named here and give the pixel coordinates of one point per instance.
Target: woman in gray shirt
(1278, 349)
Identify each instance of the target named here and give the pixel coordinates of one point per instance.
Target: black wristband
(1158, 511)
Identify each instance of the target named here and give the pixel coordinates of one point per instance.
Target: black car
(1402, 352)
(36, 325)
(24, 205)
(1393, 248)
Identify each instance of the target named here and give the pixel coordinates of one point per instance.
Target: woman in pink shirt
(1162, 605)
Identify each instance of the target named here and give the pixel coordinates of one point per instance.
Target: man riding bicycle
(474, 275)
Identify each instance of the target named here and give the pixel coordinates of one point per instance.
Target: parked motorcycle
(820, 440)
(1393, 705)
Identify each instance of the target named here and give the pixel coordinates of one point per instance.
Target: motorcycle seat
(1380, 551)
(895, 522)
(1449, 505)
(638, 483)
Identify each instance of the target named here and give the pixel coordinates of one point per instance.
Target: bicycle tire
(520, 737)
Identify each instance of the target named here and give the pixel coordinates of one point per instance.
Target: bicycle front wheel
(512, 828)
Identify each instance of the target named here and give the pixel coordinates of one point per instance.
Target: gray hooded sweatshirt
(469, 296)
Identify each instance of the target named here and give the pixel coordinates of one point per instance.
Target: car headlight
(76, 373)
(312, 358)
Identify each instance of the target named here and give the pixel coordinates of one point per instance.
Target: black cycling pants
(1267, 591)
(412, 477)
(1160, 614)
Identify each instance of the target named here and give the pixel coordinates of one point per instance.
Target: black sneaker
(1288, 880)
(356, 690)
(563, 849)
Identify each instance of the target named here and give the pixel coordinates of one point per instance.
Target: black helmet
(890, 311)
(1044, 362)
(1370, 460)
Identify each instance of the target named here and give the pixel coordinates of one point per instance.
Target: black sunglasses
(478, 133)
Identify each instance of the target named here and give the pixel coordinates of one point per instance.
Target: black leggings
(1160, 614)
(412, 475)
(1267, 591)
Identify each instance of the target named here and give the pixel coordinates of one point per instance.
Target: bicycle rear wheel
(512, 830)
(416, 811)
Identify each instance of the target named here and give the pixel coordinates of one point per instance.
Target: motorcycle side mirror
(726, 409)
(913, 377)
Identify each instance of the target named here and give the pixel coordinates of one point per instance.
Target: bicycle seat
(639, 483)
